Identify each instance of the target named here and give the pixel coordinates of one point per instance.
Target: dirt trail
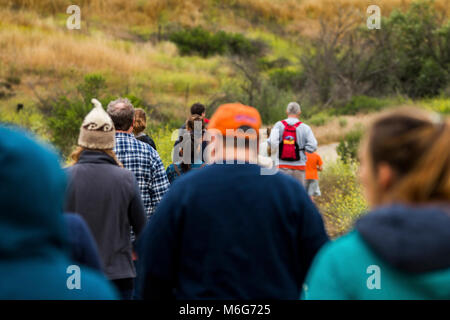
(328, 152)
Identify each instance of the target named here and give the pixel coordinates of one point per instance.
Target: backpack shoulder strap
(285, 124)
(177, 170)
(297, 124)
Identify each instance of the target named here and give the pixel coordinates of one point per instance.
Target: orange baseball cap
(234, 116)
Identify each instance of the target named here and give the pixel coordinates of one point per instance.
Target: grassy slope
(37, 48)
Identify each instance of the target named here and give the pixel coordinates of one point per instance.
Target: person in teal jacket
(34, 251)
(401, 249)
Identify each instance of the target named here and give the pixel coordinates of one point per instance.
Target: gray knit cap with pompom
(97, 130)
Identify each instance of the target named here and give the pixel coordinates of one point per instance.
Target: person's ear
(385, 177)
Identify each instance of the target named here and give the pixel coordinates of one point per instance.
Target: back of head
(416, 145)
(140, 121)
(32, 187)
(293, 108)
(197, 109)
(121, 112)
(195, 121)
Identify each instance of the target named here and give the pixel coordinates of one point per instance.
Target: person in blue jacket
(82, 244)
(401, 249)
(34, 251)
(228, 231)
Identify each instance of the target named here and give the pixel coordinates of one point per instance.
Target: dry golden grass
(59, 51)
(332, 131)
(298, 15)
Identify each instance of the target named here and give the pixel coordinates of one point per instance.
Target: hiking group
(214, 224)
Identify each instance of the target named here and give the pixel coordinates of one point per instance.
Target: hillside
(127, 43)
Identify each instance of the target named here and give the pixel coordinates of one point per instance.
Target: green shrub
(319, 119)
(200, 41)
(164, 137)
(342, 122)
(348, 146)
(286, 79)
(342, 201)
(420, 49)
(26, 118)
(362, 104)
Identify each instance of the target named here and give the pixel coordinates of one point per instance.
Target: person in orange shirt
(313, 165)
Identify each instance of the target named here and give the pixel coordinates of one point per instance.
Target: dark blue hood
(32, 186)
(410, 238)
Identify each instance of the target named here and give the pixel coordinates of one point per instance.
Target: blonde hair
(75, 155)
(140, 121)
(416, 145)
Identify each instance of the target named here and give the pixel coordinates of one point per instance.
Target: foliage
(421, 49)
(362, 104)
(64, 113)
(342, 200)
(286, 79)
(348, 146)
(163, 137)
(410, 55)
(342, 122)
(319, 119)
(26, 118)
(200, 41)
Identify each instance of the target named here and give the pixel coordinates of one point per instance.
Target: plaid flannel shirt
(145, 163)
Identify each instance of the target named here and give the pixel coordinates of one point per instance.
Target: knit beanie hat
(97, 130)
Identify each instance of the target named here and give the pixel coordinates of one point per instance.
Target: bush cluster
(348, 146)
(342, 201)
(202, 42)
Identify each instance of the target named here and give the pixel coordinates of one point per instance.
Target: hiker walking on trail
(314, 163)
(197, 109)
(137, 156)
(401, 248)
(192, 157)
(252, 236)
(107, 197)
(34, 246)
(290, 138)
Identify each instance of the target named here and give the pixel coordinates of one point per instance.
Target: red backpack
(289, 149)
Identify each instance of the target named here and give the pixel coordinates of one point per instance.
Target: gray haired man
(137, 156)
(302, 140)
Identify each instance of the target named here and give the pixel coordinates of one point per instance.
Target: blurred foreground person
(401, 249)
(139, 126)
(82, 244)
(107, 197)
(192, 157)
(34, 252)
(251, 236)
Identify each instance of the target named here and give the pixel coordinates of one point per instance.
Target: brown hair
(417, 147)
(140, 121)
(75, 155)
(190, 125)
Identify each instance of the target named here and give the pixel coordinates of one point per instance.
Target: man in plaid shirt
(137, 156)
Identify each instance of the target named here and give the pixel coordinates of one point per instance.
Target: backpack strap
(294, 125)
(177, 170)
